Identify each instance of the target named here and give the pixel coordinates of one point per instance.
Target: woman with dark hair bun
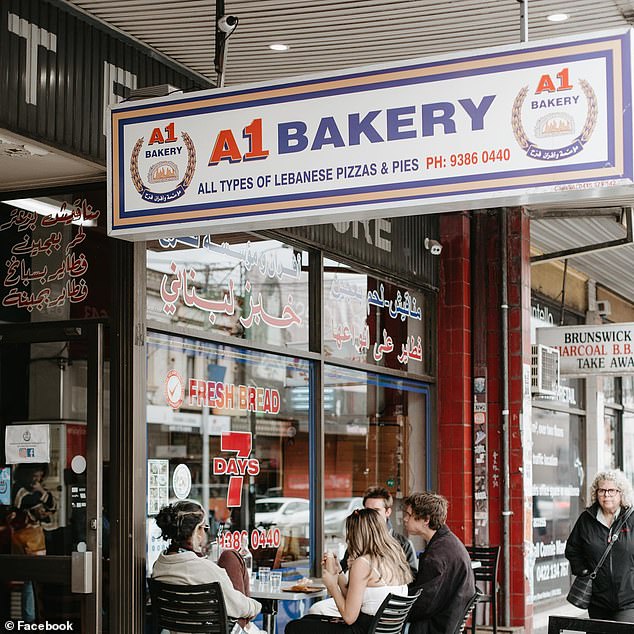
(184, 524)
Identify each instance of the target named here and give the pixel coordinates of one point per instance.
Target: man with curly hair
(444, 573)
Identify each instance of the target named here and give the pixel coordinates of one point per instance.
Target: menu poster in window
(157, 485)
(27, 444)
(556, 486)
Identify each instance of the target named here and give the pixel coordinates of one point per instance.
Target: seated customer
(379, 499)
(444, 569)
(377, 567)
(183, 563)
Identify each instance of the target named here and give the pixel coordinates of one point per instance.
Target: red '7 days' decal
(241, 442)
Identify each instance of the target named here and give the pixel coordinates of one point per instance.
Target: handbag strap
(611, 543)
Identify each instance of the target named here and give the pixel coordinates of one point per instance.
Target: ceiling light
(279, 47)
(557, 17)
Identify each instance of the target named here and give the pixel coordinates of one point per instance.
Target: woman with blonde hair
(377, 567)
(613, 588)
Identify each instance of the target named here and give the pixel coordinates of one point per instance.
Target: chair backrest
(269, 557)
(391, 616)
(473, 601)
(489, 557)
(188, 608)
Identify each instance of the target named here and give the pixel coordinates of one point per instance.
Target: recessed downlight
(279, 47)
(557, 17)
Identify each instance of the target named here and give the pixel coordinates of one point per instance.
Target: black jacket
(446, 579)
(613, 589)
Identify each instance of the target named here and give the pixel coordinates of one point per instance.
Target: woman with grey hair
(613, 589)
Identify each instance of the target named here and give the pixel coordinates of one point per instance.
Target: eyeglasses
(608, 492)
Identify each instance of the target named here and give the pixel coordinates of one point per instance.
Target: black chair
(473, 601)
(486, 573)
(189, 608)
(391, 616)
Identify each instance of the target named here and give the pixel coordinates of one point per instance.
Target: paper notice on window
(27, 444)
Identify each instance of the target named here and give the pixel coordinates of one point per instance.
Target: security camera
(227, 23)
(433, 246)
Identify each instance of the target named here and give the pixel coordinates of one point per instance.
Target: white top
(187, 569)
(375, 595)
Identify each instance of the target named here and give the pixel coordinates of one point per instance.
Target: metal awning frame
(624, 215)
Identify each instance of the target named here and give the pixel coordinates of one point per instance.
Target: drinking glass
(264, 575)
(276, 580)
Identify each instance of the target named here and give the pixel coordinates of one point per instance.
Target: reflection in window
(371, 423)
(201, 395)
(256, 290)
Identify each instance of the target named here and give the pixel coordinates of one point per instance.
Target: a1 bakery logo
(174, 389)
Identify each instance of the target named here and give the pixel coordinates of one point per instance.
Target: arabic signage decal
(587, 350)
(182, 284)
(44, 271)
(372, 321)
(486, 129)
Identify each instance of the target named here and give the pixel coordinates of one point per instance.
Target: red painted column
(473, 288)
(454, 374)
(519, 293)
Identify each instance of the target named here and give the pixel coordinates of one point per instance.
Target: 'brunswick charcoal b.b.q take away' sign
(540, 122)
(587, 350)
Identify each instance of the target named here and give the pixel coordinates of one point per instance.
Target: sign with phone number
(260, 538)
(490, 128)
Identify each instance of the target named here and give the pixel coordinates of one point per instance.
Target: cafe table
(269, 599)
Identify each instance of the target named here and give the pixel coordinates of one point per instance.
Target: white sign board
(512, 125)
(27, 444)
(586, 350)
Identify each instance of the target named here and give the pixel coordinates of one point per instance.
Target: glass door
(52, 524)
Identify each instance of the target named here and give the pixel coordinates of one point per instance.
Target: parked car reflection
(291, 515)
(336, 510)
(283, 512)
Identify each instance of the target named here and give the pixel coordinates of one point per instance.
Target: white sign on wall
(27, 444)
(586, 350)
(495, 127)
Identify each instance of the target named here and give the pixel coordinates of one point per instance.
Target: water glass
(253, 579)
(276, 580)
(264, 575)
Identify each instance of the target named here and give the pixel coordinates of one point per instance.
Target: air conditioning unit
(544, 370)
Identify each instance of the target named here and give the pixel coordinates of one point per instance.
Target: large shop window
(228, 427)
(254, 289)
(370, 422)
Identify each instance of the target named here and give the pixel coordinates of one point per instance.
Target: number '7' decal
(241, 442)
